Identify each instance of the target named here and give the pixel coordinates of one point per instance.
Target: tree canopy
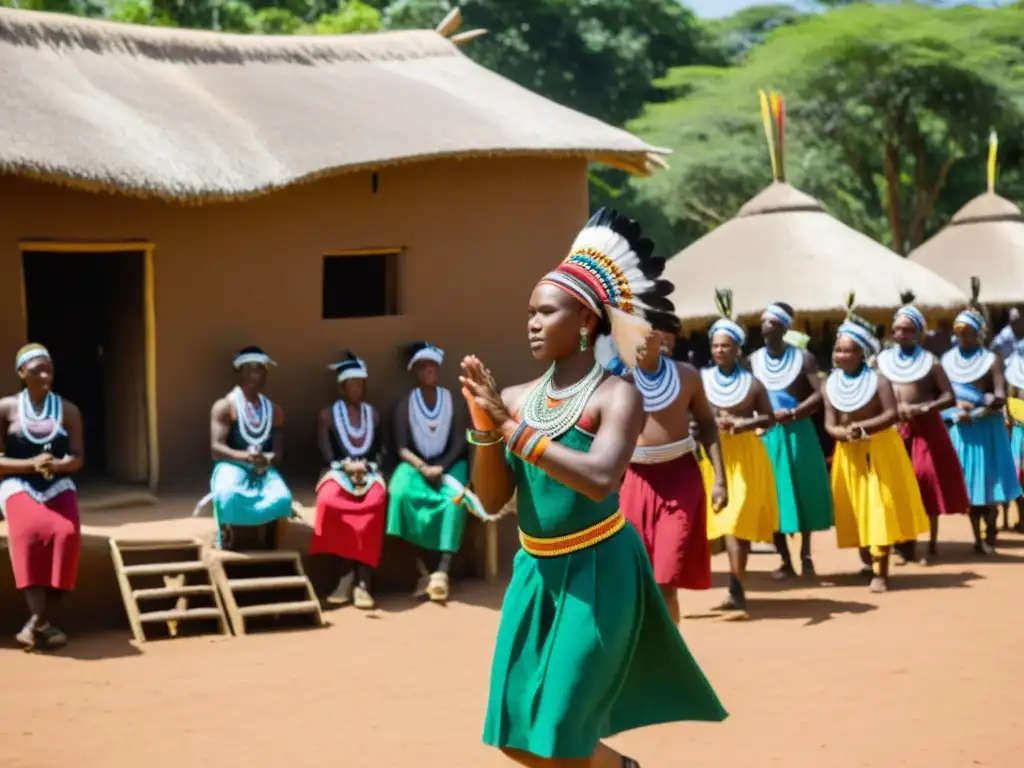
(889, 111)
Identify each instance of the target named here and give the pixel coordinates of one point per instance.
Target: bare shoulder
(689, 376)
(8, 405)
(617, 393)
(221, 407)
(278, 415)
(514, 395)
(70, 409)
(810, 361)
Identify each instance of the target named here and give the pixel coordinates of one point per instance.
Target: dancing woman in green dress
(586, 647)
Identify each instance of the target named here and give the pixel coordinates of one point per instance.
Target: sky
(713, 9)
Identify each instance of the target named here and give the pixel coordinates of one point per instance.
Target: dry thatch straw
(783, 246)
(196, 116)
(984, 238)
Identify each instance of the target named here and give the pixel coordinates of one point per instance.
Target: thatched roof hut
(783, 246)
(174, 113)
(984, 238)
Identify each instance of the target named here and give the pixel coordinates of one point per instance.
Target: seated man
(249, 496)
(427, 495)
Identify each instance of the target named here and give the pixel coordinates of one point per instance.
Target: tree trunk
(891, 169)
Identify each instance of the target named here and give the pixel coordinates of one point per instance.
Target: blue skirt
(243, 497)
(1017, 446)
(983, 448)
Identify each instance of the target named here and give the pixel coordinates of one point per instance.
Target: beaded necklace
(777, 373)
(49, 417)
(1015, 371)
(726, 390)
(430, 426)
(556, 418)
(661, 388)
(901, 368)
(350, 434)
(254, 421)
(851, 392)
(969, 368)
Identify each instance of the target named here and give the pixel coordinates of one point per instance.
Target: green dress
(427, 516)
(801, 477)
(586, 647)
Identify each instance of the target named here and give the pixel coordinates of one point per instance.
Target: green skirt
(586, 649)
(426, 516)
(801, 477)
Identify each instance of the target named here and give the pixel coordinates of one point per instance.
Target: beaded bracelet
(527, 443)
(483, 438)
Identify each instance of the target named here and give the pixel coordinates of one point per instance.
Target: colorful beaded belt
(574, 542)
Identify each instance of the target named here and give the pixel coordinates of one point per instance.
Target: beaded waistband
(659, 454)
(574, 542)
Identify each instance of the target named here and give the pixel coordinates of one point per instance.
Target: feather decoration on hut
(907, 297)
(779, 113)
(769, 134)
(993, 153)
(773, 116)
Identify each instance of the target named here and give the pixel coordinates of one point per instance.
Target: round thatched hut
(783, 246)
(984, 238)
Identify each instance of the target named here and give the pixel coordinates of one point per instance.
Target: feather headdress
(349, 367)
(725, 324)
(975, 315)
(421, 350)
(909, 311)
(612, 270)
(857, 329)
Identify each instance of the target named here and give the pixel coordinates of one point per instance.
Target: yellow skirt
(875, 492)
(753, 510)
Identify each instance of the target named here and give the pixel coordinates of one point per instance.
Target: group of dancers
(621, 471)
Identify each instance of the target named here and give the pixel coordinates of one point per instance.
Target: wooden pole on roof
(464, 37)
(450, 23)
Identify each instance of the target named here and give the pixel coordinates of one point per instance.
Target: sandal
(51, 637)
(437, 587)
(362, 599)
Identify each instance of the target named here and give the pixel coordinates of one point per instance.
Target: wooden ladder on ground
(183, 563)
(231, 587)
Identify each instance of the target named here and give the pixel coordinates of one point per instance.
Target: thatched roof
(984, 238)
(783, 246)
(194, 114)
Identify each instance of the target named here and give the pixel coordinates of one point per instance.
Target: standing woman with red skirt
(42, 448)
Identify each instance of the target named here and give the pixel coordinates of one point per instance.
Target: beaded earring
(583, 339)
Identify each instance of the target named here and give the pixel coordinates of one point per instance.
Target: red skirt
(350, 526)
(936, 465)
(45, 540)
(666, 504)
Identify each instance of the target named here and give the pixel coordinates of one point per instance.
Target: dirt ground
(929, 674)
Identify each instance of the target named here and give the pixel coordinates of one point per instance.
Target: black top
(456, 449)
(236, 442)
(371, 452)
(17, 446)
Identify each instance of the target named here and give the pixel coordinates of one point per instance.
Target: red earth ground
(928, 675)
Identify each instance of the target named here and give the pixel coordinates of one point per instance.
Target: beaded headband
(29, 352)
(423, 351)
(611, 270)
(251, 357)
(858, 330)
(974, 315)
(725, 324)
(775, 312)
(350, 368)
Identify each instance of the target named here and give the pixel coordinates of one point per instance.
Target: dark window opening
(363, 285)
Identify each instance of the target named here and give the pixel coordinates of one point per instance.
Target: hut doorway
(88, 306)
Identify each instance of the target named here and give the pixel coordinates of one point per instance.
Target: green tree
(597, 56)
(884, 104)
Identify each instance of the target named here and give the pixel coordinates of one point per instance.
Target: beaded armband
(528, 444)
(483, 438)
